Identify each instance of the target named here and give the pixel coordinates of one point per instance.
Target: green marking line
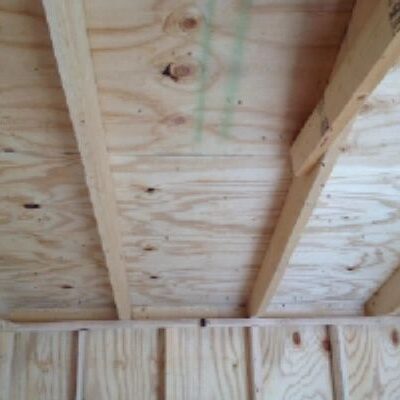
(206, 43)
(237, 56)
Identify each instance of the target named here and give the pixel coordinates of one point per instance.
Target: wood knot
(296, 338)
(178, 72)
(184, 20)
(326, 344)
(395, 337)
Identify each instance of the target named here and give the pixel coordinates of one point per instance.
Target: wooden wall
(200, 363)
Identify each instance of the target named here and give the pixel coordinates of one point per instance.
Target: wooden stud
(255, 361)
(66, 21)
(6, 357)
(370, 48)
(387, 299)
(339, 363)
(299, 204)
(80, 365)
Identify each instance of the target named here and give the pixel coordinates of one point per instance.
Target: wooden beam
(370, 48)
(339, 363)
(299, 204)
(66, 20)
(71, 326)
(387, 299)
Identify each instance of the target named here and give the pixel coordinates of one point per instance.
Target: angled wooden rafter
(370, 48)
(387, 298)
(356, 72)
(299, 204)
(66, 20)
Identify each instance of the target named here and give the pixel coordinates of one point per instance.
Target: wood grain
(51, 254)
(43, 366)
(374, 362)
(206, 363)
(351, 244)
(6, 358)
(122, 364)
(295, 363)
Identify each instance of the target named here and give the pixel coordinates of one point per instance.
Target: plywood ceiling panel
(352, 242)
(50, 256)
(200, 103)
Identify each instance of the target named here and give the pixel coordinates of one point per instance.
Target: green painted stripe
(232, 87)
(206, 49)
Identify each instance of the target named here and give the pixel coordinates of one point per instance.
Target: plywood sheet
(373, 358)
(123, 364)
(50, 255)
(351, 244)
(200, 103)
(43, 366)
(295, 363)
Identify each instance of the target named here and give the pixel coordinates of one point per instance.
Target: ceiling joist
(370, 48)
(66, 20)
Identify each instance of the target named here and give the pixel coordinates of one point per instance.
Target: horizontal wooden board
(50, 256)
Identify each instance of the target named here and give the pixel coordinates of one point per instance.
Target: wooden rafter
(365, 56)
(66, 21)
(387, 299)
(299, 204)
(369, 50)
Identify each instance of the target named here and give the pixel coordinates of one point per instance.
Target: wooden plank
(255, 361)
(186, 323)
(66, 21)
(225, 364)
(49, 248)
(370, 48)
(296, 363)
(183, 364)
(373, 355)
(122, 364)
(206, 363)
(299, 204)
(43, 366)
(80, 365)
(387, 298)
(339, 363)
(6, 356)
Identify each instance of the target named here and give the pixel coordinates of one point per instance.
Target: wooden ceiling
(185, 114)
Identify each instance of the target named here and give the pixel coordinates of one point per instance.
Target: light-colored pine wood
(297, 209)
(351, 244)
(67, 26)
(6, 357)
(43, 366)
(255, 363)
(339, 363)
(50, 257)
(296, 363)
(122, 364)
(226, 374)
(206, 363)
(184, 364)
(80, 365)
(387, 299)
(370, 48)
(373, 355)
(150, 122)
